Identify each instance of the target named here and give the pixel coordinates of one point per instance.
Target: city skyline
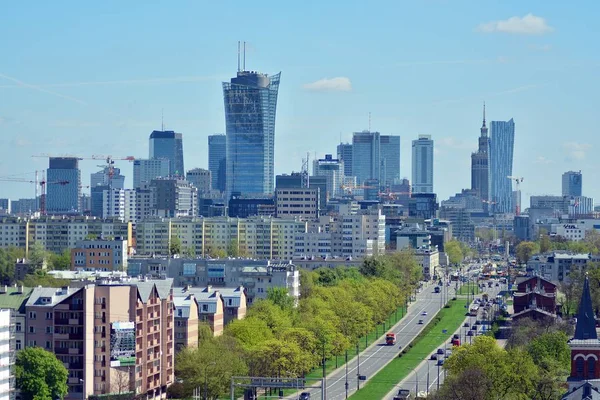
(538, 74)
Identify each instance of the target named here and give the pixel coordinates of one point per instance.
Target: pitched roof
(15, 299)
(145, 287)
(586, 320)
(586, 391)
(56, 295)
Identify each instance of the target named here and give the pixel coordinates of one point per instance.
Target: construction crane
(518, 182)
(42, 183)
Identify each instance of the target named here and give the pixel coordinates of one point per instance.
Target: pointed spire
(586, 320)
(484, 113)
(484, 129)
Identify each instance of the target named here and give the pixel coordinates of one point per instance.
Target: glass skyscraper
(389, 154)
(572, 183)
(250, 106)
(63, 198)
(502, 143)
(217, 150)
(422, 164)
(344, 153)
(168, 145)
(366, 160)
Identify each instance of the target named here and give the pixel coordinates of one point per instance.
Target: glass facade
(217, 150)
(366, 159)
(250, 107)
(64, 186)
(572, 183)
(501, 162)
(344, 153)
(422, 165)
(390, 159)
(168, 145)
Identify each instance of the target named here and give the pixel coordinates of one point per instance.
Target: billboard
(122, 344)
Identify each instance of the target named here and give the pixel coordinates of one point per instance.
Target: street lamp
(206, 378)
(82, 388)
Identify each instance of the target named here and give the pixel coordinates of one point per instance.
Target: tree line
(278, 339)
(545, 243)
(534, 365)
(39, 259)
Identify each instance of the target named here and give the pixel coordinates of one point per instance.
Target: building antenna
(484, 113)
(244, 56)
(238, 56)
(162, 120)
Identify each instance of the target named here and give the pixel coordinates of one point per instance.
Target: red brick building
(535, 298)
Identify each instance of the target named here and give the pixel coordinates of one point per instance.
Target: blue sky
(91, 78)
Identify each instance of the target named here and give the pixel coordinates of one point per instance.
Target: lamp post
(82, 388)
(206, 379)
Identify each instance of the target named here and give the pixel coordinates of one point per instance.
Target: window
(591, 370)
(48, 329)
(48, 344)
(579, 367)
(48, 315)
(18, 345)
(18, 327)
(32, 343)
(31, 329)
(32, 314)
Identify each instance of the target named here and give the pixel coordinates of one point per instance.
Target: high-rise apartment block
(422, 164)
(201, 179)
(302, 203)
(250, 106)
(217, 151)
(146, 170)
(480, 165)
(174, 198)
(572, 183)
(100, 255)
(168, 145)
(333, 170)
(64, 190)
(501, 164)
(344, 153)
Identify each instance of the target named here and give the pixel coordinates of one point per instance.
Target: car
(497, 284)
(440, 362)
(420, 322)
(433, 356)
(424, 313)
(474, 327)
(456, 336)
(440, 351)
(466, 325)
(304, 396)
(470, 333)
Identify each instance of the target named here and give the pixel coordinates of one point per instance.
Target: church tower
(585, 346)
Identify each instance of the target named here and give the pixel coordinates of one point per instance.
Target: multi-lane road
(427, 376)
(375, 357)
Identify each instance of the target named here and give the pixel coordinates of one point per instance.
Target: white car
(424, 313)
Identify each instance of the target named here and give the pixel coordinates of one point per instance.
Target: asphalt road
(428, 374)
(376, 356)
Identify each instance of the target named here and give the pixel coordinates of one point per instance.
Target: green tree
(60, 262)
(37, 256)
(40, 375)
(41, 278)
(249, 332)
(189, 252)
(551, 346)
(306, 283)
(280, 297)
(280, 358)
(454, 251)
(233, 248)
(175, 246)
(544, 243)
(525, 250)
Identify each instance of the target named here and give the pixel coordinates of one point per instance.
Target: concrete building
(201, 179)
(300, 203)
(100, 254)
(174, 197)
(333, 171)
(63, 198)
(413, 236)
(423, 205)
(144, 171)
(24, 207)
(217, 164)
(104, 178)
(572, 184)
(556, 266)
(502, 143)
(480, 164)
(5, 206)
(344, 154)
(168, 145)
(107, 348)
(245, 207)
(422, 164)
(463, 227)
(429, 260)
(7, 354)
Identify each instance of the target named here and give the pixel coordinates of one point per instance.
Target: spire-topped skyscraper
(480, 165)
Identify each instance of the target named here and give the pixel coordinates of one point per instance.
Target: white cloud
(543, 160)
(576, 150)
(527, 25)
(339, 84)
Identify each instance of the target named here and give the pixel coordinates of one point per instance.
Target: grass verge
(468, 289)
(421, 348)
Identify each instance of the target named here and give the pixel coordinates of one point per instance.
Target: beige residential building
(100, 254)
(113, 336)
(300, 203)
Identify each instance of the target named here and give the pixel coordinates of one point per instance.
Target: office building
(146, 170)
(463, 227)
(100, 255)
(294, 180)
(501, 164)
(389, 154)
(366, 161)
(344, 154)
(86, 203)
(63, 198)
(174, 197)
(201, 179)
(244, 207)
(217, 151)
(5, 206)
(250, 101)
(114, 336)
(24, 206)
(422, 164)
(480, 165)
(572, 183)
(105, 178)
(168, 145)
(333, 171)
(423, 205)
(299, 203)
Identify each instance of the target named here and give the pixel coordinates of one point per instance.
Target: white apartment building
(130, 205)
(297, 203)
(6, 355)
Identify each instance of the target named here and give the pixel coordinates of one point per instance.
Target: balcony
(61, 336)
(75, 351)
(75, 321)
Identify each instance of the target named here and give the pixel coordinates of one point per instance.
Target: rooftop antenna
(162, 120)
(238, 56)
(244, 56)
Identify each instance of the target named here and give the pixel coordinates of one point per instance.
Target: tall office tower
(103, 177)
(200, 178)
(63, 198)
(422, 164)
(169, 145)
(333, 170)
(344, 153)
(250, 106)
(389, 154)
(146, 170)
(366, 160)
(4, 206)
(501, 162)
(572, 183)
(480, 165)
(217, 150)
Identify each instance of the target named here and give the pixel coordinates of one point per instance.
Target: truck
(390, 339)
(436, 289)
(403, 394)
